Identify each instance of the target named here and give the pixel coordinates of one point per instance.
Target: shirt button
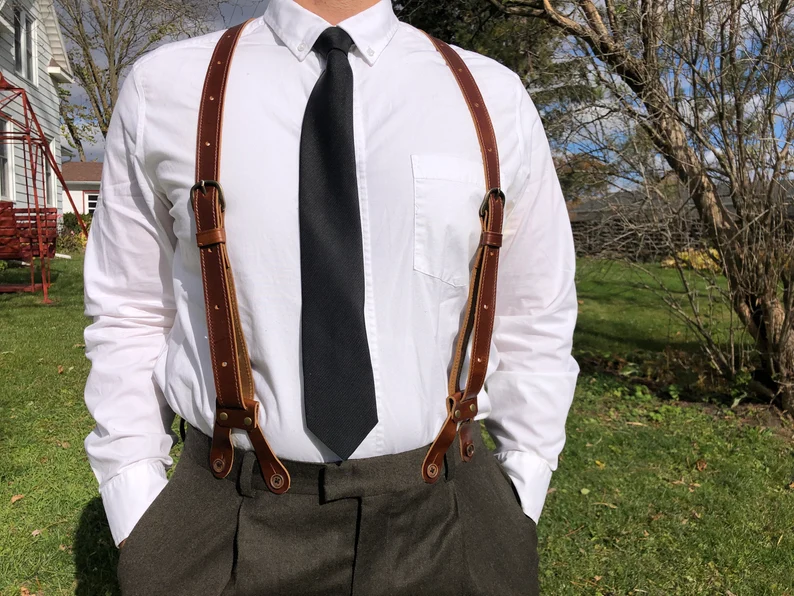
(370, 52)
(301, 47)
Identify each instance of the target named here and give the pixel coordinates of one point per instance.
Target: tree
(707, 86)
(105, 37)
(76, 122)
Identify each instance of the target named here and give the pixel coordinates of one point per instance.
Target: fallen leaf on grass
(610, 505)
(35, 532)
(64, 444)
(78, 346)
(585, 491)
(600, 464)
(60, 369)
(551, 490)
(597, 578)
(16, 498)
(701, 465)
(636, 424)
(23, 591)
(684, 522)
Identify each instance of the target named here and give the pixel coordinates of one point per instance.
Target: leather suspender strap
(480, 306)
(236, 406)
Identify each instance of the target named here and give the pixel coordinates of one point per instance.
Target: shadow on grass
(95, 555)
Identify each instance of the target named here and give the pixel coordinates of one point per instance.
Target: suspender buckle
(484, 204)
(202, 185)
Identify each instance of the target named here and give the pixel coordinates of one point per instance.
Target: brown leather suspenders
(234, 385)
(236, 405)
(480, 307)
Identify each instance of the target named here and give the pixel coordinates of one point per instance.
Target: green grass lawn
(651, 497)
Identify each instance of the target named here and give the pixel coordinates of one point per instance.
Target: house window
(49, 190)
(92, 200)
(5, 170)
(24, 44)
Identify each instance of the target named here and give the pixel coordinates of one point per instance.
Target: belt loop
(244, 485)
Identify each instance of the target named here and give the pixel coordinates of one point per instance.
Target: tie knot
(333, 38)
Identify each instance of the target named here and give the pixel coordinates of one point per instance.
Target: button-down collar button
(370, 52)
(301, 47)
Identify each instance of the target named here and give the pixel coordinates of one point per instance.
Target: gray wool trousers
(365, 527)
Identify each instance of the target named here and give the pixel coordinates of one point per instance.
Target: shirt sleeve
(532, 387)
(129, 296)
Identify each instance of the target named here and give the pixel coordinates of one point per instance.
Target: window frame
(6, 166)
(25, 45)
(90, 210)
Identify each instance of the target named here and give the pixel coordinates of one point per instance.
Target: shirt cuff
(531, 476)
(127, 496)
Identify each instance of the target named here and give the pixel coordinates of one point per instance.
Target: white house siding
(42, 93)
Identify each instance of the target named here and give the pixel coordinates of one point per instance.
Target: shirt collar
(298, 28)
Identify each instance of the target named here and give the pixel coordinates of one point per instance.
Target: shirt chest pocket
(448, 192)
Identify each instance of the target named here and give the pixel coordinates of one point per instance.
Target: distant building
(82, 179)
(33, 57)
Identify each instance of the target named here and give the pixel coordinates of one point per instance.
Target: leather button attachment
(432, 470)
(218, 465)
(470, 449)
(276, 481)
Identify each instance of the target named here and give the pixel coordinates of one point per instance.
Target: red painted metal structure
(28, 233)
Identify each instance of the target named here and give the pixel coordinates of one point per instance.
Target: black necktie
(338, 384)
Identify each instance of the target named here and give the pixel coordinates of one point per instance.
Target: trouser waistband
(330, 481)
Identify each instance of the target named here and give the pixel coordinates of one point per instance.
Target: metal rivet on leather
(479, 359)
(432, 470)
(212, 98)
(473, 408)
(485, 306)
(207, 143)
(216, 307)
(277, 480)
(457, 413)
(220, 62)
(218, 465)
(224, 364)
(223, 416)
(247, 421)
(470, 450)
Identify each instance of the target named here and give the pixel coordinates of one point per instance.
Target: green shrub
(69, 241)
(70, 223)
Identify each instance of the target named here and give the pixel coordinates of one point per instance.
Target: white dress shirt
(420, 184)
